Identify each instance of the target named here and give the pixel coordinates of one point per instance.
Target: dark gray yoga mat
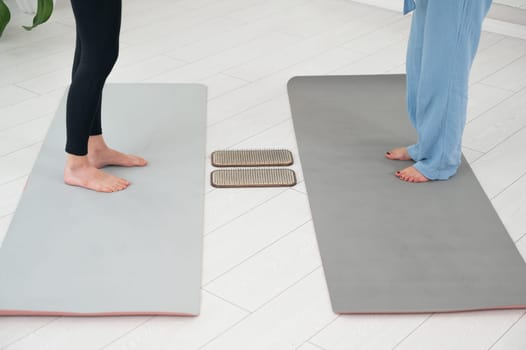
(389, 246)
(70, 251)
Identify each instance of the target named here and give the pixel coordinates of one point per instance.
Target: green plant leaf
(44, 11)
(5, 16)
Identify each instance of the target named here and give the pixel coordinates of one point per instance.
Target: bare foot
(410, 174)
(79, 172)
(398, 154)
(107, 156)
(100, 155)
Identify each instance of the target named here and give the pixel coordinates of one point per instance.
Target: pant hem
(435, 174)
(75, 152)
(411, 150)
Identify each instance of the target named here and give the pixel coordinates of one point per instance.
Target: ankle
(96, 144)
(95, 151)
(74, 162)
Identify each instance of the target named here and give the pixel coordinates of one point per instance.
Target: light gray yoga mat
(389, 246)
(70, 251)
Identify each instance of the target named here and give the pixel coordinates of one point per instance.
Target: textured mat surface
(253, 177)
(389, 246)
(71, 251)
(252, 158)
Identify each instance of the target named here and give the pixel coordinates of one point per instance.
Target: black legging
(98, 24)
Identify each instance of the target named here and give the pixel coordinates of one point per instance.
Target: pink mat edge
(154, 313)
(93, 314)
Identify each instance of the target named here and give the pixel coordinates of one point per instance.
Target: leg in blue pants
(442, 45)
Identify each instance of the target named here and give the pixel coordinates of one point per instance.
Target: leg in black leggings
(96, 126)
(98, 25)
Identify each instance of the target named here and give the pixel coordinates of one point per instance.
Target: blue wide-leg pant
(442, 45)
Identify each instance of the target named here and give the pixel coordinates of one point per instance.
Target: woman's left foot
(411, 174)
(108, 156)
(400, 153)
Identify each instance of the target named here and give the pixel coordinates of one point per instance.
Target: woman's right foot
(400, 153)
(79, 172)
(411, 174)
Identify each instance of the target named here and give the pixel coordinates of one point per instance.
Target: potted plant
(43, 12)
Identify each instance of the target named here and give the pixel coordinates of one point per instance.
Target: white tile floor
(263, 285)
(512, 3)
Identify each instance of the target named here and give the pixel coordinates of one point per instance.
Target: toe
(122, 184)
(138, 161)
